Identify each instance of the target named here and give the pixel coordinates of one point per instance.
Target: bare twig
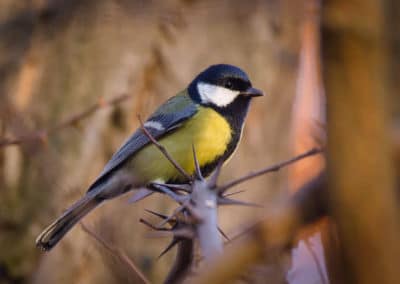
(164, 151)
(198, 173)
(273, 168)
(43, 134)
(116, 253)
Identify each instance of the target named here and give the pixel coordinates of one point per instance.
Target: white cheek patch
(154, 124)
(216, 95)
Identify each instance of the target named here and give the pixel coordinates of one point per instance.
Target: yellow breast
(207, 130)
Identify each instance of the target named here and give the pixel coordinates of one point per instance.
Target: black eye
(228, 84)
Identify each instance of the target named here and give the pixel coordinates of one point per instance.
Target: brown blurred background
(58, 58)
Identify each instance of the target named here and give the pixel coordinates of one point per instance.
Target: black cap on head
(224, 75)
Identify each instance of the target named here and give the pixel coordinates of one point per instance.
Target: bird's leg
(175, 187)
(178, 197)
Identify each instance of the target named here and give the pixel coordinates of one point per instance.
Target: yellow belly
(208, 131)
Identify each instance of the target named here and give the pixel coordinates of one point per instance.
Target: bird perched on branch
(208, 115)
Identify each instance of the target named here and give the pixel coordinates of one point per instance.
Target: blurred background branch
(117, 253)
(73, 120)
(361, 174)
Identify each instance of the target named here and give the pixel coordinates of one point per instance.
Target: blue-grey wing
(167, 118)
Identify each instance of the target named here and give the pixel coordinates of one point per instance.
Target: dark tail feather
(56, 231)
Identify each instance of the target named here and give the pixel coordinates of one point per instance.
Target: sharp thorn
(214, 177)
(223, 234)
(229, 201)
(162, 216)
(173, 215)
(171, 221)
(196, 164)
(169, 247)
(151, 226)
(233, 193)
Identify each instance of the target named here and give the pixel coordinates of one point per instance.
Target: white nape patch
(154, 124)
(216, 95)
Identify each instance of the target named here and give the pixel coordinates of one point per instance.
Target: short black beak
(252, 92)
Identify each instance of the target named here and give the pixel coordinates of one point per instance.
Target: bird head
(219, 86)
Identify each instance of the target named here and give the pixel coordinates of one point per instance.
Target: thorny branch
(116, 253)
(275, 231)
(273, 168)
(205, 196)
(43, 134)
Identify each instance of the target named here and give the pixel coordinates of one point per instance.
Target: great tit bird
(209, 115)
